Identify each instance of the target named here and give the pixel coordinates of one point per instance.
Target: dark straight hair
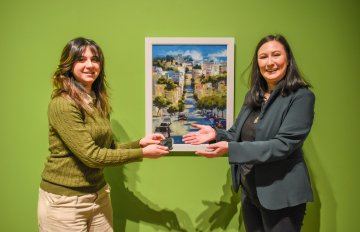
(292, 81)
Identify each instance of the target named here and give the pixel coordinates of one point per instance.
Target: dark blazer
(281, 175)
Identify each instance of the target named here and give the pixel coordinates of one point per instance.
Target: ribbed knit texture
(80, 147)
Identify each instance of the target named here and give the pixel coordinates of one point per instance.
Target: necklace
(266, 97)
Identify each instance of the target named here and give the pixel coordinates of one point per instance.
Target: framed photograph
(188, 80)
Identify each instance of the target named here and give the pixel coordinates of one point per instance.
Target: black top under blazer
(281, 176)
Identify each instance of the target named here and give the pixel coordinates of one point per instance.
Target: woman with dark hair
(74, 195)
(265, 143)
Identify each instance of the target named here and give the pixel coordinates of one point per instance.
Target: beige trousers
(87, 213)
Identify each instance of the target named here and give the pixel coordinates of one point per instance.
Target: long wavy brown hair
(66, 85)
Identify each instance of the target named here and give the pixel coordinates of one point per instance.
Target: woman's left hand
(215, 150)
(151, 139)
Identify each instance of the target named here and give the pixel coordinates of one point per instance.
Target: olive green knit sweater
(80, 147)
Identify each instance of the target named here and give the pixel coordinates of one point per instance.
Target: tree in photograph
(162, 80)
(188, 58)
(169, 58)
(160, 103)
(171, 68)
(181, 106)
(159, 62)
(200, 105)
(214, 80)
(210, 103)
(222, 77)
(170, 85)
(172, 110)
(221, 104)
(207, 103)
(197, 66)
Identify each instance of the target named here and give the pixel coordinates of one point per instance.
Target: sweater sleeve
(290, 136)
(66, 118)
(129, 145)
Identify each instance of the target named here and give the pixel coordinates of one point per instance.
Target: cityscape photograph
(189, 85)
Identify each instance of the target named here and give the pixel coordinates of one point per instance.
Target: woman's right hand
(151, 139)
(154, 151)
(204, 134)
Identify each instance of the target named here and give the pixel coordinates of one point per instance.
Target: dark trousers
(258, 219)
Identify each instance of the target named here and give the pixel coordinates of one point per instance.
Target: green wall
(181, 189)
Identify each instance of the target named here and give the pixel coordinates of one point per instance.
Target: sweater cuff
(128, 145)
(134, 144)
(137, 155)
(232, 153)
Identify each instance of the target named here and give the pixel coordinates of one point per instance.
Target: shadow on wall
(130, 205)
(219, 215)
(312, 221)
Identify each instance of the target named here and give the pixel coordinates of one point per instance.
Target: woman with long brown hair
(74, 195)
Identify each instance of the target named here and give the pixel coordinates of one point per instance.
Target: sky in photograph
(197, 52)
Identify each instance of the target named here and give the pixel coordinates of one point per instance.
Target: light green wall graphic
(181, 190)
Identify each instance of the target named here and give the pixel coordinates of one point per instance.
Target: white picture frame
(187, 81)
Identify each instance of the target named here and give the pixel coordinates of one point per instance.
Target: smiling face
(86, 69)
(272, 60)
